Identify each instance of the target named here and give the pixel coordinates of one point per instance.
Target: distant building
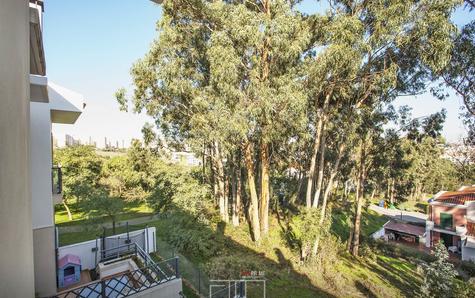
(187, 158)
(71, 141)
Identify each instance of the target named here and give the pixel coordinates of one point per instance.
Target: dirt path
(409, 216)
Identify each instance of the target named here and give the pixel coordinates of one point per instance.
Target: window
(446, 220)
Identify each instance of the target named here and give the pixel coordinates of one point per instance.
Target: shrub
(468, 267)
(439, 275)
(462, 289)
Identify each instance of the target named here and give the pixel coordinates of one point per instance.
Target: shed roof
(405, 228)
(69, 259)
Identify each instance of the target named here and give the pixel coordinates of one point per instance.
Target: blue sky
(90, 46)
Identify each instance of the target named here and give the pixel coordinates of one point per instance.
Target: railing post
(177, 273)
(103, 289)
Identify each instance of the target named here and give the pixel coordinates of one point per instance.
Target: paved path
(409, 216)
(108, 225)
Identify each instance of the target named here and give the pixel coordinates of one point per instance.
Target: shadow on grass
(364, 290)
(395, 272)
(370, 222)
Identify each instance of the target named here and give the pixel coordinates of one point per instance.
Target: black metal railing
(57, 180)
(128, 283)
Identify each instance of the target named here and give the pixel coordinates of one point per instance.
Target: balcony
(128, 270)
(456, 231)
(57, 183)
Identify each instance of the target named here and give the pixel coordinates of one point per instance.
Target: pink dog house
(69, 270)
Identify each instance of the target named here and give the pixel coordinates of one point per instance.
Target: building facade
(16, 259)
(452, 220)
(63, 106)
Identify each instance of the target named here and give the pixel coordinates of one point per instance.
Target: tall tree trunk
(264, 206)
(327, 193)
(359, 202)
(236, 195)
(346, 191)
(70, 215)
(220, 182)
(333, 174)
(214, 178)
(316, 145)
(392, 191)
(321, 166)
(253, 208)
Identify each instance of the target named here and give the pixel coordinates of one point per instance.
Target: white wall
(16, 243)
(88, 257)
(169, 289)
(468, 254)
(41, 163)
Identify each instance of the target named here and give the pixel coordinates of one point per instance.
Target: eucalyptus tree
(394, 43)
(226, 73)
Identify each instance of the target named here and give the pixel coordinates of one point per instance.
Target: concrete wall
(468, 254)
(170, 289)
(458, 214)
(41, 164)
(16, 244)
(45, 261)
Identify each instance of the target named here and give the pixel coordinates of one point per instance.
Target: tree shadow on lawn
(405, 280)
(364, 290)
(232, 258)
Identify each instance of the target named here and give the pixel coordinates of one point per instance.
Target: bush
(461, 289)
(192, 237)
(401, 251)
(468, 267)
(231, 266)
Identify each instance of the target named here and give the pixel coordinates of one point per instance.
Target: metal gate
(117, 246)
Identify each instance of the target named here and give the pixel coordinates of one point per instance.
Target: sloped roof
(405, 228)
(69, 259)
(457, 197)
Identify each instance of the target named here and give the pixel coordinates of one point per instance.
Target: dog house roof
(69, 259)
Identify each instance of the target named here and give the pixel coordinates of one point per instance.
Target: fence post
(199, 281)
(177, 273)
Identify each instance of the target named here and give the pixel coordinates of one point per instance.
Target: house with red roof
(451, 219)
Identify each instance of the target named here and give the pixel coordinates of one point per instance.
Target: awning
(65, 105)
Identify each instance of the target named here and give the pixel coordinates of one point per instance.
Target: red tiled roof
(405, 228)
(69, 259)
(457, 197)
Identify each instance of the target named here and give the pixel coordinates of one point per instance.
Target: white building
(60, 106)
(28, 107)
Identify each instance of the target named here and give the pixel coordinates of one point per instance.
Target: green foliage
(305, 228)
(178, 187)
(461, 289)
(191, 236)
(81, 168)
(100, 204)
(438, 275)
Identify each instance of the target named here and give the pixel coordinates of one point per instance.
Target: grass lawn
(418, 206)
(371, 222)
(131, 210)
